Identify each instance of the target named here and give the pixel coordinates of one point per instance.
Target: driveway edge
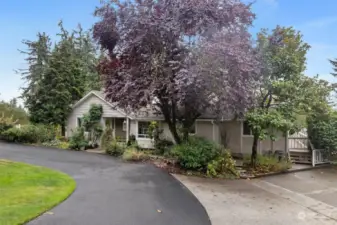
(287, 171)
(175, 176)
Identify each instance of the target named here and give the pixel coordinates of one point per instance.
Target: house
(234, 134)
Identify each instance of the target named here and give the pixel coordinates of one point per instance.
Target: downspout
(213, 130)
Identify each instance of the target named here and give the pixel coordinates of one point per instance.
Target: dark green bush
(132, 140)
(322, 132)
(196, 153)
(163, 146)
(77, 141)
(29, 134)
(115, 148)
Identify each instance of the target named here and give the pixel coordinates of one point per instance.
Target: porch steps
(300, 156)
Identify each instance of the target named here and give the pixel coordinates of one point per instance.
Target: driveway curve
(110, 192)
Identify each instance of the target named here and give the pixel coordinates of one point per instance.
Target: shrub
(163, 146)
(322, 132)
(223, 165)
(107, 137)
(77, 141)
(115, 148)
(132, 140)
(6, 123)
(196, 153)
(57, 144)
(267, 164)
(29, 134)
(132, 154)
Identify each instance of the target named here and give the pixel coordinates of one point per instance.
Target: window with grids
(143, 129)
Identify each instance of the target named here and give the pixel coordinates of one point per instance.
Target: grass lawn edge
(68, 191)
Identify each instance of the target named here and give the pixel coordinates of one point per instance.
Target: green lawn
(26, 191)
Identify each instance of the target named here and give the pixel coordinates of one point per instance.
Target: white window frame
(242, 128)
(147, 136)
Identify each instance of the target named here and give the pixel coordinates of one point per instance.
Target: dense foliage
(196, 153)
(12, 110)
(58, 75)
(78, 141)
(161, 145)
(222, 166)
(115, 148)
(29, 134)
(182, 58)
(285, 92)
(91, 124)
(322, 132)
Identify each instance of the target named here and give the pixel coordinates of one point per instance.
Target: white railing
(318, 157)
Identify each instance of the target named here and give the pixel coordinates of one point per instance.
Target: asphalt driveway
(110, 192)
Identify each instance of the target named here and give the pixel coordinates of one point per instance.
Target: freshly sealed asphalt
(110, 192)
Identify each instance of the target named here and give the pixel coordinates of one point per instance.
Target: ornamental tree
(183, 58)
(285, 92)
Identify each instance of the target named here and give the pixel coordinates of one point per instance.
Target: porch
(120, 127)
(301, 151)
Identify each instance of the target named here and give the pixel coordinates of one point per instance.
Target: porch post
(241, 132)
(127, 129)
(114, 132)
(286, 145)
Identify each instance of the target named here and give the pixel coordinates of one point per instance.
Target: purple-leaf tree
(184, 58)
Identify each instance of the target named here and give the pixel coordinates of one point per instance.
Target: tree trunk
(174, 132)
(254, 151)
(185, 134)
(63, 130)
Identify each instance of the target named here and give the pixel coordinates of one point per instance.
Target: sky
(22, 19)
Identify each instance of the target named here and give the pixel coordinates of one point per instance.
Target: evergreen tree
(58, 77)
(37, 53)
(334, 64)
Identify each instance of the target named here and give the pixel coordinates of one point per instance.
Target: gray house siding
(228, 133)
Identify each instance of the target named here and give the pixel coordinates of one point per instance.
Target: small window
(79, 122)
(246, 129)
(143, 129)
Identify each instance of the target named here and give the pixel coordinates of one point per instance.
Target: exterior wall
(142, 142)
(230, 135)
(263, 146)
(203, 129)
(84, 108)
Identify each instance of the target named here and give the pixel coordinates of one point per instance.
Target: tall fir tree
(37, 56)
(58, 77)
(334, 65)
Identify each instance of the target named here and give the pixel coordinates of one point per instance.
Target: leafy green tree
(281, 95)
